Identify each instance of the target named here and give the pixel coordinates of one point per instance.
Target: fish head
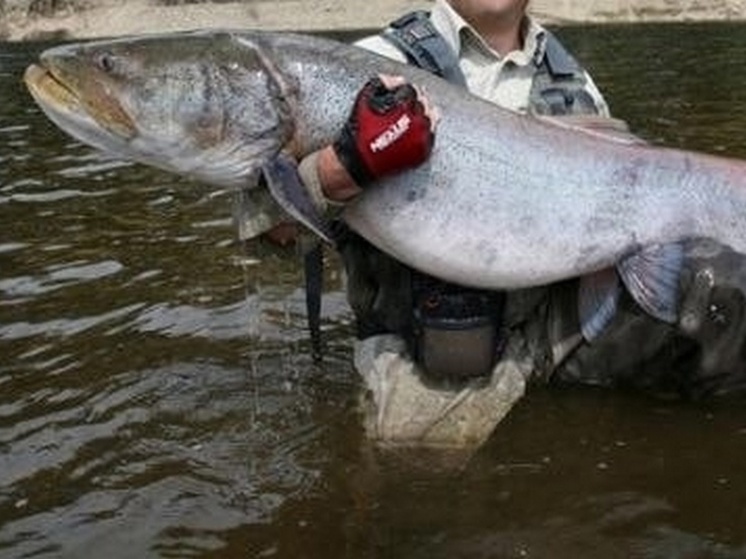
(206, 105)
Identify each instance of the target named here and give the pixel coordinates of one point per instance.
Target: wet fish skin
(199, 104)
(506, 201)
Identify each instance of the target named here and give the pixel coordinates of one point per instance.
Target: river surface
(158, 398)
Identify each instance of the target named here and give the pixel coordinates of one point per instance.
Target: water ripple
(54, 195)
(59, 276)
(157, 400)
(61, 327)
(256, 317)
(12, 247)
(152, 452)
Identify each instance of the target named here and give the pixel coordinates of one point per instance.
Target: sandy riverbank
(29, 19)
(105, 18)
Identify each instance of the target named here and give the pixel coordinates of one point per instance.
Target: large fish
(506, 201)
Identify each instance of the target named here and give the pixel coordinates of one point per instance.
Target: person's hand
(283, 234)
(390, 129)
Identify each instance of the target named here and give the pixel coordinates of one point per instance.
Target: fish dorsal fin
(605, 127)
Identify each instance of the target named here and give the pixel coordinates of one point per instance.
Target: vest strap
(558, 60)
(415, 36)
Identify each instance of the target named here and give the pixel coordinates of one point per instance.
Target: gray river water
(158, 399)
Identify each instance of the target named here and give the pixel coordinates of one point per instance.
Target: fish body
(505, 201)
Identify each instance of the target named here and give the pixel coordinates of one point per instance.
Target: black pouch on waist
(456, 329)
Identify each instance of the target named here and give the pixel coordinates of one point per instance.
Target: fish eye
(106, 62)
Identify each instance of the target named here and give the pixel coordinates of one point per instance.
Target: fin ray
(598, 300)
(286, 187)
(652, 278)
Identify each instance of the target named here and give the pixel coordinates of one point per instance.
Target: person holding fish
(644, 293)
(425, 339)
(444, 363)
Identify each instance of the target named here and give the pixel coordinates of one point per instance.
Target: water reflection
(157, 397)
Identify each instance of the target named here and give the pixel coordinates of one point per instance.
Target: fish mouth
(50, 91)
(91, 114)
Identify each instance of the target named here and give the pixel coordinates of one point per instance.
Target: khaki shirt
(503, 80)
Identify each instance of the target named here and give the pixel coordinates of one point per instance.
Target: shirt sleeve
(309, 176)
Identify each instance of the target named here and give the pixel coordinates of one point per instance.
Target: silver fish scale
(509, 201)
(505, 201)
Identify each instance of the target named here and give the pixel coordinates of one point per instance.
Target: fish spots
(207, 106)
(488, 252)
(630, 173)
(416, 192)
(528, 222)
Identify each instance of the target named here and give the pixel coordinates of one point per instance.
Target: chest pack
(559, 84)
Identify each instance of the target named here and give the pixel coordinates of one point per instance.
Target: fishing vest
(559, 85)
(389, 297)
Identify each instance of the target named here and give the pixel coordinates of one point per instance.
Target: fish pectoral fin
(652, 279)
(255, 212)
(288, 190)
(598, 301)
